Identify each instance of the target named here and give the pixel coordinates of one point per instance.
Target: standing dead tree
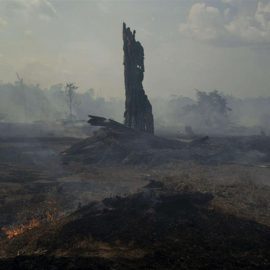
(138, 109)
(70, 94)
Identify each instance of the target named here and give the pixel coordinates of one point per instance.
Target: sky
(188, 44)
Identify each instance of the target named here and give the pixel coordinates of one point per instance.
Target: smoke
(24, 103)
(208, 113)
(213, 113)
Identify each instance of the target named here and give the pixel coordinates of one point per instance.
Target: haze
(189, 45)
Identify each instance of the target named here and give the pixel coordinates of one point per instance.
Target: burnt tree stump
(138, 110)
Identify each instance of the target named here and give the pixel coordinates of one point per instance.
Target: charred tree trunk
(138, 109)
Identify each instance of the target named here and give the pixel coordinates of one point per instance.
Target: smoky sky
(207, 44)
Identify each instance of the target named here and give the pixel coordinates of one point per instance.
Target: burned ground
(112, 206)
(148, 230)
(34, 180)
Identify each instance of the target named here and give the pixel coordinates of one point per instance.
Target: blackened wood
(138, 110)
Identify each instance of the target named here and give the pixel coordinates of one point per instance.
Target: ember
(20, 229)
(13, 231)
(51, 216)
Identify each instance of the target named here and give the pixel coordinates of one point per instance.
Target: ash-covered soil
(134, 201)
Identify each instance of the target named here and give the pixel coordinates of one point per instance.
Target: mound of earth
(153, 229)
(126, 146)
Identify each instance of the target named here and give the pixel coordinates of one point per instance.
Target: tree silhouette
(70, 93)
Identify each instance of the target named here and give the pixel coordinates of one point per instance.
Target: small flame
(20, 229)
(49, 217)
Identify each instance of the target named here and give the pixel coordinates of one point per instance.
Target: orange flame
(20, 229)
(11, 232)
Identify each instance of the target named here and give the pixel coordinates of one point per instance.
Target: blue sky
(207, 44)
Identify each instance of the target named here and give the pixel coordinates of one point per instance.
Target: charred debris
(138, 109)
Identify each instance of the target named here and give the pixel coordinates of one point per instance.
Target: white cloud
(40, 8)
(204, 22)
(229, 22)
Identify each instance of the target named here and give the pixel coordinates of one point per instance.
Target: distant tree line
(209, 112)
(21, 102)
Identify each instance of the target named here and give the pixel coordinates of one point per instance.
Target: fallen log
(105, 122)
